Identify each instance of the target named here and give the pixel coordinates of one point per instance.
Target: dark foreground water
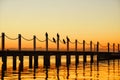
(104, 70)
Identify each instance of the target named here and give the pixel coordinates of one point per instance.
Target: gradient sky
(97, 20)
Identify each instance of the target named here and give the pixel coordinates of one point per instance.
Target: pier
(93, 51)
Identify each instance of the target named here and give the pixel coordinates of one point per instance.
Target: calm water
(105, 70)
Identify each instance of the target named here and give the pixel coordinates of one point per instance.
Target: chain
(87, 43)
(79, 42)
(27, 39)
(103, 46)
(51, 40)
(11, 38)
(40, 40)
(62, 42)
(72, 42)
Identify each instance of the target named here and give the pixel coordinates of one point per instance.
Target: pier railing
(91, 46)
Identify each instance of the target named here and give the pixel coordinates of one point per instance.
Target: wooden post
(118, 48)
(19, 71)
(90, 46)
(76, 44)
(76, 56)
(68, 55)
(3, 72)
(108, 47)
(19, 42)
(35, 56)
(30, 61)
(97, 51)
(58, 38)
(97, 46)
(84, 56)
(3, 41)
(21, 56)
(46, 56)
(46, 41)
(58, 56)
(14, 62)
(83, 45)
(113, 47)
(97, 56)
(91, 51)
(108, 56)
(4, 57)
(67, 43)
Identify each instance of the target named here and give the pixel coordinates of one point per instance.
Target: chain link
(103, 46)
(40, 40)
(11, 38)
(87, 43)
(72, 42)
(62, 42)
(27, 39)
(79, 42)
(51, 40)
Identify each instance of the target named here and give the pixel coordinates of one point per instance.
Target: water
(104, 70)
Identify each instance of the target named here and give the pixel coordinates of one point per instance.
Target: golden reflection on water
(104, 70)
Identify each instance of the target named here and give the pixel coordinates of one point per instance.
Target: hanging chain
(50, 40)
(62, 42)
(103, 46)
(79, 42)
(40, 40)
(87, 43)
(11, 38)
(72, 42)
(27, 39)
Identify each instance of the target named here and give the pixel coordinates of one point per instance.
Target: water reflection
(76, 74)
(107, 70)
(97, 69)
(2, 72)
(91, 70)
(58, 73)
(19, 72)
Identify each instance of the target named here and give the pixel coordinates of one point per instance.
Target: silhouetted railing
(96, 46)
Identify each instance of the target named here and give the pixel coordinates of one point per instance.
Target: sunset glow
(96, 20)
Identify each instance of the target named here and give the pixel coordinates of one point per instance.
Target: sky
(96, 20)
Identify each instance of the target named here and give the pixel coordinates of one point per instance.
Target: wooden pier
(101, 55)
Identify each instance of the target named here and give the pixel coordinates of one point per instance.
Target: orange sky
(96, 20)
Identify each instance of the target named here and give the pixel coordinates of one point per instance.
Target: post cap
(57, 35)
(46, 34)
(34, 36)
(19, 35)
